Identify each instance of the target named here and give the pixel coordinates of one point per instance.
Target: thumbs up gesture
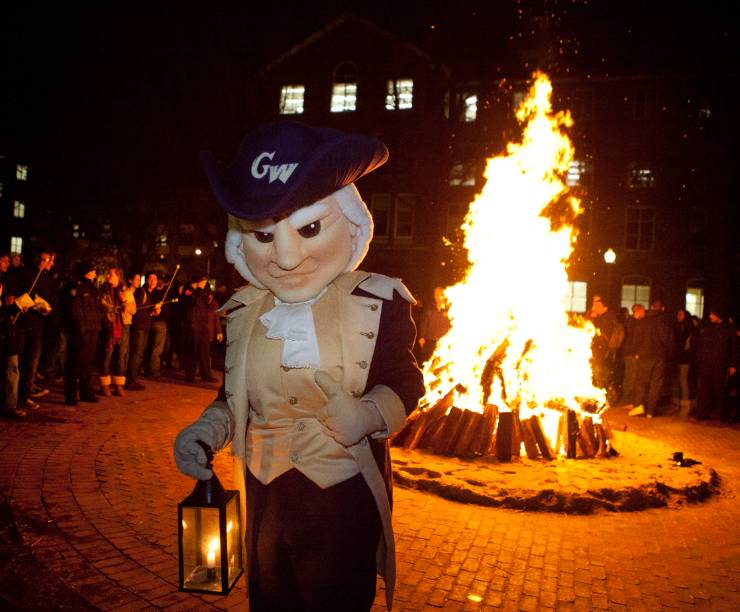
(346, 418)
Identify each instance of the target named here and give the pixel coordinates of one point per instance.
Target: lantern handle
(209, 453)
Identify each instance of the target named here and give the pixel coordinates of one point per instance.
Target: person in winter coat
(717, 361)
(118, 303)
(196, 343)
(319, 370)
(84, 317)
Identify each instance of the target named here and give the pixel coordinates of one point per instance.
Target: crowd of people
(70, 327)
(646, 357)
(55, 326)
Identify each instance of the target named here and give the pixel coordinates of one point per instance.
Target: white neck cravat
(294, 325)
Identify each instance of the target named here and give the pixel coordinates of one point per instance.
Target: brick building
(652, 153)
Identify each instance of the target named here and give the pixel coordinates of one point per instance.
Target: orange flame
(509, 322)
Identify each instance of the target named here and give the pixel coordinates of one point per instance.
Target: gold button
(292, 400)
(373, 306)
(368, 335)
(357, 394)
(362, 364)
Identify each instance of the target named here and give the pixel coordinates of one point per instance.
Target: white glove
(346, 418)
(212, 428)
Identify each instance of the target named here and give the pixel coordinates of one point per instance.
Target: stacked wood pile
(447, 430)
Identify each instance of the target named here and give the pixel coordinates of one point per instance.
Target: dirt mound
(643, 475)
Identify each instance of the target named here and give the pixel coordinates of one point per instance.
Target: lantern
(210, 537)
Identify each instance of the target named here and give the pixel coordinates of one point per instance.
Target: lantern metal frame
(211, 494)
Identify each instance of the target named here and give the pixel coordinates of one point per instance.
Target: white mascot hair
(352, 207)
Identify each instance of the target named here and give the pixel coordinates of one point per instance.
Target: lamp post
(609, 258)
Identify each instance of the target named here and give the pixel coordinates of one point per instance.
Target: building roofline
(347, 17)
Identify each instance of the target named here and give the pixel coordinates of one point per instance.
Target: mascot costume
(318, 373)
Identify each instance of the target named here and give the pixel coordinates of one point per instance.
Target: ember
(514, 369)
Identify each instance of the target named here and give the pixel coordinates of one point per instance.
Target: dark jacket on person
(658, 340)
(142, 321)
(195, 308)
(85, 311)
(717, 346)
(685, 336)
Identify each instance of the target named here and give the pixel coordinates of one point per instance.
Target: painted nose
(287, 246)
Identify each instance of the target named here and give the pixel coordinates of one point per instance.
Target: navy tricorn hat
(285, 165)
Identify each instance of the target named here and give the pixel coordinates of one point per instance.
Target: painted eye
(310, 230)
(263, 236)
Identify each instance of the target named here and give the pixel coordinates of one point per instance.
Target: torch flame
(510, 342)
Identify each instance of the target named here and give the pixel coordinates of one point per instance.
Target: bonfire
(514, 368)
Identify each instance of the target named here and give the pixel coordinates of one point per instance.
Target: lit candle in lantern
(211, 559)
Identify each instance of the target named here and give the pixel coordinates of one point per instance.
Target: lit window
(469, 111)
(462, 175)
(19, 209)
(21, 172)
(344, 97)
(291, 99)
(635, 291)
(695, 300)
(380, 207)
(575, 301)
(162, 239)
(400, 94)
(639, 230)
(404, 227)
(640, 177)
(344, 91)
(578, 173)
(16, 244)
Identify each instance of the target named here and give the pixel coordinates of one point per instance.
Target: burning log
(411, 435)
(516, 436)
(587, 437)
(466, 439)
(571, 434)
(530, 444)
(493, 367)
(539, 436)
(445, 442)
(485, 431)
(504, 436)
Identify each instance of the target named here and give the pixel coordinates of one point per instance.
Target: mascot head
(296, 220)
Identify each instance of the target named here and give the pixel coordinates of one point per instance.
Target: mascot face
(297, 255)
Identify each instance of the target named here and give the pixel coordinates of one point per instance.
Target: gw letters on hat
(285, 165)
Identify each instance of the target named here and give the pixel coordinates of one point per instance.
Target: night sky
(111, 104)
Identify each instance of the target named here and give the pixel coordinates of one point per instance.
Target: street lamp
(210, 536)
(609, 258)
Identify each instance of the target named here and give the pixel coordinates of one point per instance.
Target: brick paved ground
(93, 493)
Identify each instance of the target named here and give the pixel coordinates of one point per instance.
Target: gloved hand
(346, 418)
(212, 428)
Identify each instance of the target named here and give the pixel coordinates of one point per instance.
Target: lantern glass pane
(201, 549)
(233, 540)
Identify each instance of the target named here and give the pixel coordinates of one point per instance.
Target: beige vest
(283, 431)
(355, 321)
